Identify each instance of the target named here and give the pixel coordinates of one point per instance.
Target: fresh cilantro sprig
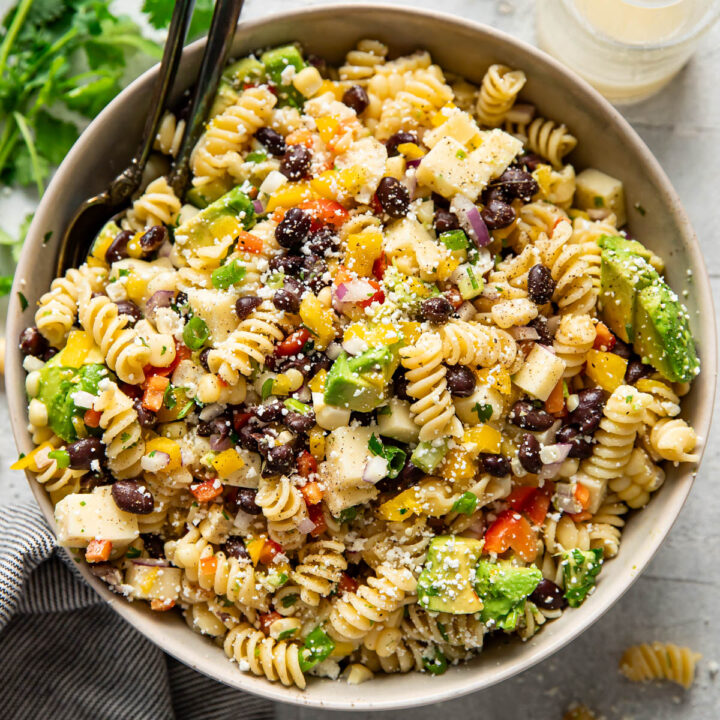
(394, 456)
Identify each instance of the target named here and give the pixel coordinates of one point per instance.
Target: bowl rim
(151, 629)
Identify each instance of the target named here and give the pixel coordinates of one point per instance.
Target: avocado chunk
(58, 385)
(428, 455)
(617, 243)
(580, 568)
(503, 587)
(227, 215)
(662, 337)
(360, 383)
(622, 276)
(243, 72)
(446, 581)
(276, 61)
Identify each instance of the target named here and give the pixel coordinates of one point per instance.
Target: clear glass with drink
(627, 49)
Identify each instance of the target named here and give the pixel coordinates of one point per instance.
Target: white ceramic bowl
(606, 141)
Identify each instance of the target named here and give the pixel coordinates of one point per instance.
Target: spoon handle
(217, 49)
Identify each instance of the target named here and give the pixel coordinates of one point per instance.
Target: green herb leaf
(465, 504)
(256, 157)
(169, 399)
(484, 411)
(394, 456)
(437, 664)
(195, 333)
(317, 647)
(186, 410)
(285, 634)
(227, 275)
(289, 600)
(62, 457)
(267, 388)
(132, 552)
(23, 301)
(296, 406)
(348, 514)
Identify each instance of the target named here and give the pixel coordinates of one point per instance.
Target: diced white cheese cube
(329, 417)
(369, 155)
(274, 181)
(540, 373)
(248, 476)
(217, 309)
(460, 126)
(597, 488)
(346, 454)
(595, 190)
(396, 422)
(482, 395)
(153, 583)
(82, 518)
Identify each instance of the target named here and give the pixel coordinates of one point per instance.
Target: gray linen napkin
(63, 650)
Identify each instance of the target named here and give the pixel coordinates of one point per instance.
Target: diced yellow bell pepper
(168, 446)
(431, 496)
(317, 384)
(227, 462)
(226, 226)
(318, 319)
(327, 127)
(363, 249)
(329, 86)
(647, 385)
(281, 385)
(103, 241)
(136, 287)
(290, 195)
(411, 331)
(254, 546)
(80, 349)
(316, 443)
(482, 439)
(134, 249)
(442, 115)
(606, 369)
(342, 649)
(447, 266)
(458, 465)
(577, 213)
(28, 462)
(496, 377)
(149, 580)
(411, 151)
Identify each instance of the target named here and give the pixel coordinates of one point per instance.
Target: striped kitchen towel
(65, 654)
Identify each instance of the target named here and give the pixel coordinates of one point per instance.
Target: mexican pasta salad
(384, 383)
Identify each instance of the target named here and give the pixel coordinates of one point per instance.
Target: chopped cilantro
(484, 411)
(394, 456)
(132, 552)
(267, 388)
(465, 504)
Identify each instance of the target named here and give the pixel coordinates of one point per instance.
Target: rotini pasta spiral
(498, 90)
(574, 337)
(534, 618)
(425, 373)
(253, 341)
(54, 478)
(169, 134)
(640, 477)
(124, 352)
(660, 661)
(565, 534)
(361, 63)
(674, 440)
(468, 343)
(320, 568)
(463, 630)
(606, 525)
(57, 309)
(122, 434)
(276, 660)
(158, 205)
(546, 138)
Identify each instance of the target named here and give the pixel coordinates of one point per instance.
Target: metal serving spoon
(97, 210)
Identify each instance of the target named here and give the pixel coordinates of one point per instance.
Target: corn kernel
(317, 443)
(295, 378)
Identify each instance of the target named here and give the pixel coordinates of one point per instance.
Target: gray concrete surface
(677, 597)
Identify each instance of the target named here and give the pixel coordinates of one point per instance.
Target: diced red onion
(303, 394)
(547, 437)
(244, 522)
(376, 468)
(521, 113)
(411, 183)
(553, 324)
(210, 412)
(306, 525)
(564, 497)
(549, 349)
(218, 442)
(159, 299)
(258, 206)
(333, 350)
(466, 311)
(548, 472)
(413, 163)
(150, 562)
(476, 529)
(155, 462)
(471, 221)
(555, 453)
(108, 573)
(353, 291)
(524, 333)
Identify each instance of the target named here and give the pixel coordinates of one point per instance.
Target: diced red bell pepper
(521, 496)
(604, 339)
(208, 565)
(379, 267)
(537, 508)
(91, 418)
(307, 466)
(555, 404)
(132, 391)
(155, 387)
(582, 495)
(269, 550)
(347, 584)
(376, 206)
(454, 296)
(162, 605)
(377, 296)
(316, 515)
(240, 419)
(293, 343)
(98, 550)
(328, 212)
(207, 490)
(511, 530)
(581, 516)
(267, 619)
(249, 242)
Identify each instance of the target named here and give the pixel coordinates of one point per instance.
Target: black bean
(250, 437)
(591, 398)
(400, 385)
(636, 371)
(581, 447)
(622, 349)
(516, 183)
(319, 361)
(181, 299)
(445, 220)
(246, 501)
(460, 380)
(548, 596)
(530, 161)
(152, 239)
(526, 416)
(299, 423)
(286, 300)
(293, 228)
(399, 138)
(132, 497)
(293, 285)
(234, 547)
(356, 98)
(272, 140)
(497, 214)
(587, 419)
(245, 305)
(118, 247)
(494, 464)
(32, 342)
(287, 264)
(322, 240)
(313, 273)
(154, 545)
(295, 162)
(83, 452)
(280, 459)
(146, 418)
(437, 309)
(271, 412)
(203, 357)
(363, 418)
(540, 324)
(529, 454)
(49, 353)
(393, 197)
(540, 284)
(130, 309)
(410, 475)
